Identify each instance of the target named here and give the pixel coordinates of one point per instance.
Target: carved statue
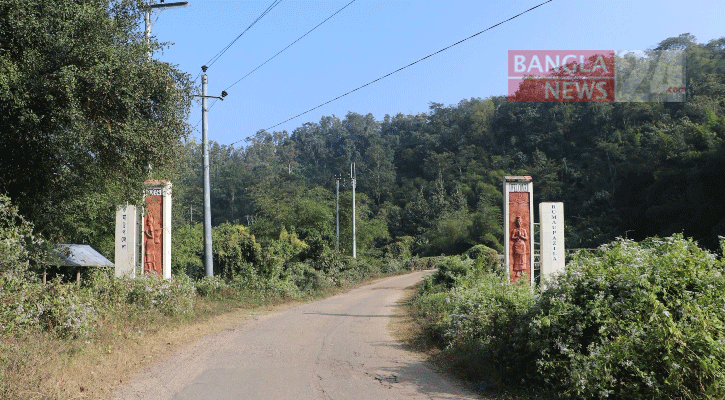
(152, 262)
(519, 237)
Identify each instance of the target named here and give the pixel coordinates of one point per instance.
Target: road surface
(339, 348)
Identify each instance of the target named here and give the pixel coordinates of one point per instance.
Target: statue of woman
(152, 257)
(519, 237)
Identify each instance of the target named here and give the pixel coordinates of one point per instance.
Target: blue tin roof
(80, 255)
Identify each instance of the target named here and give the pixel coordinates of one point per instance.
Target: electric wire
(210, 107)
(157, 18)
(402, 68)
(278, 53)
(290, 45)
(224, 50)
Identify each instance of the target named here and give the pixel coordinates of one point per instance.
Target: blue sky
(370, 39)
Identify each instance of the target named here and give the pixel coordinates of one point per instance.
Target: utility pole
(208, 261)
(337, 206)
(353, 178)
(147, 17)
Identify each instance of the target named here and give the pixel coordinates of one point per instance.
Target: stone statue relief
(152, 245)
(519, 237)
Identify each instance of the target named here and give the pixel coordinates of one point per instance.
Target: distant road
(335, 349)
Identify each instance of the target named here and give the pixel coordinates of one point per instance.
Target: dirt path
(339, 348)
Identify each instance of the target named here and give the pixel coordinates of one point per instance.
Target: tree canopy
(84, 112)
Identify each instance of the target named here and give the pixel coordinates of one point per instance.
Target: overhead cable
(280, 52)
(409, 65)
(224, 50)
(290, 45)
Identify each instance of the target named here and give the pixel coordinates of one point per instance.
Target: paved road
(339, 348)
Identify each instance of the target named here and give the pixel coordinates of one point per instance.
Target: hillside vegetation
(80, 135)
(621, 169)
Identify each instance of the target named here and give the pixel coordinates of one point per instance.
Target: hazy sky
(370, 39)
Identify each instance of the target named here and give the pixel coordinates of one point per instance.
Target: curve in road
(338, 348)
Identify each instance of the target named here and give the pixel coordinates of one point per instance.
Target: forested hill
(621, 169)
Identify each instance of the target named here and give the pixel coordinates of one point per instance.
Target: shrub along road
(339, 348)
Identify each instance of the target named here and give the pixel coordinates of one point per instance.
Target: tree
(84, 112)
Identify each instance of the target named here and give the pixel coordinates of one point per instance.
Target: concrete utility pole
(162, 6)
(353, 178)
(208, 261)
(337, 206)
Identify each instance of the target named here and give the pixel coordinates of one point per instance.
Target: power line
(409, 65)
(280, 52)
(198, 122)
(157, 17)
(290, 45)
(224, 50)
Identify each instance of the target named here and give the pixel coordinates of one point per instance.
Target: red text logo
(561, 76)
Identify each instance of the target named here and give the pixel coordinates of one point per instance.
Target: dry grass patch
(406, 329)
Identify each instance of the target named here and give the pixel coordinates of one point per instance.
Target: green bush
(481, 324)
(287, 248)
(211, 286)
(235, 251)
(63, 309)
(400, 248)
(485, 258)
(306, 278)
(187, 251)
(432, 309)
(354, 271)
(56, 307)
(451, 271)
(21, 250)
(328, 261)
(110, 294)
(72, 310)
(636, 320)
(487, 329)
(171, 297)
(176, 296)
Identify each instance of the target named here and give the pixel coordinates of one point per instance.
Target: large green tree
(85, 113)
